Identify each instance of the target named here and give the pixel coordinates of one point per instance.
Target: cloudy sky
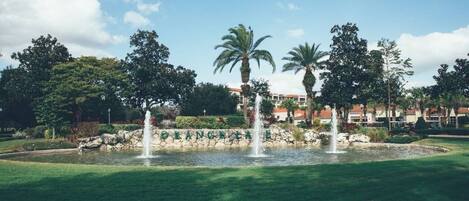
(430, 32)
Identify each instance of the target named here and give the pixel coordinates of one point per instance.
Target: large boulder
(109, 139)
(311, 136)
(90, 143)
(359, 138)
(342, 138)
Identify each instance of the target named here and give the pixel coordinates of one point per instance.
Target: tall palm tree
(239, 46)
(307, 58)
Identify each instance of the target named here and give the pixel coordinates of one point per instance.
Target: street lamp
(109, 116)
(204, 112)
(103, 97)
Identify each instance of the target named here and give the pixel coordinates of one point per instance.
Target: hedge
(402, 139)
(210, 122)
(443, 131)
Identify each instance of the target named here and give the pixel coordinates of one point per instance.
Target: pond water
(233, 157)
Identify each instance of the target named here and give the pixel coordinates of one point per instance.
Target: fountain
(334, 131)
(257, 149)
(147, 137)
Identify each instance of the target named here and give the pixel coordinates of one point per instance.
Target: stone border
(434, 148)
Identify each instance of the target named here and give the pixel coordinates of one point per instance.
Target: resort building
(373, 115)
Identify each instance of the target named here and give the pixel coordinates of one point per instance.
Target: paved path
(449, 136)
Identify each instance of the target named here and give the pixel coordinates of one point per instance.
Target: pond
(233, 157)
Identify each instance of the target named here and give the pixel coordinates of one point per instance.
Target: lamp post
(103, 97)
(205, 112)
(109, 116)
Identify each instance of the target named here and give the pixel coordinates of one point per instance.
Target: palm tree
(458, 101)
(421, 99)
(307, 58)
(405, 103)
(239, 46)
(291, 106)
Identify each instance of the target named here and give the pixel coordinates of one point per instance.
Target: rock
(342, 138)
(359, 138)
(311, 136)
(90, 143)
(109, 139)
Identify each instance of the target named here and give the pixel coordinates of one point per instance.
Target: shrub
(402, 139)
(131, 127)
(326, 127)
(209, 122)
(396, 131)
(235, 121)
(48, 134)
(443, 131)
(348, 127)
(39, 131)
(317, 123)
(107, 128)
(298, 134)
(420, 124)
(87, 129)
(375, 134)
(302, 124)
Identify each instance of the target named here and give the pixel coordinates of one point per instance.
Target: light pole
(109, 116)
(204, 112)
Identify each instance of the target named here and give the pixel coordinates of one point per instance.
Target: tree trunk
(386, 109)
(309, 112)
(245, 89)
(457, 123)
(393, 113)
(53, 133)
(364, 114)
(293, 117)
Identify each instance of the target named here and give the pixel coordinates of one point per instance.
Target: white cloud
(296, 33)
(148, 8)
(287, 6)
(79, 24)
(135, 19)
(430, 50)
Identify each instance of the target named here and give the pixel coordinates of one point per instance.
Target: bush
(375, 134)
(107, 128)
(420, 124)
(53, 144)
(443, 131)
(209, 122)
(348, 127)
(128, 127)
(87, 129)
(298, 133)
(317, 123)
(402, 139)
(302, 124)
(235, 121)
(396, 131)
(48, 134)
(39, 131)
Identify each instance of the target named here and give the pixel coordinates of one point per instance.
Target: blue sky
(429, 32)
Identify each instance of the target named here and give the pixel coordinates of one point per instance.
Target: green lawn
(33, 144)
(441, 177)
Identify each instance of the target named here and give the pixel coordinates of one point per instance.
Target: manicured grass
(441, 177)
(33, 144)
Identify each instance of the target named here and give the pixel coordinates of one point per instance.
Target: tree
(405, 103)
(239, 46)
(306, 58)
(25, 86)
(267, 108)
(153, 81)
(458, 101)
(396, 71)
(76, 88)
(15, 98)
(214, 99)
(291, 106)
(261, 87)
(348, 56)
(421, 99)
(371, 81)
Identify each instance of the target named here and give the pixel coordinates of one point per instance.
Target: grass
(33, 144)
(440, 177)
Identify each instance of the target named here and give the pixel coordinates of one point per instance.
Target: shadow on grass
(439, 179)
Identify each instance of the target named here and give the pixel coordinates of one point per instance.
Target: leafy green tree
(214, 99)
(371, 81)
(405, 102)
(348, 56)
(306, 58)
(76, 86)
(291, 105)
(261, 87)
(267, 108)
(27, 85)
(396, 71)
(153, 81)
(15, 98)
(458, 101)
(239, 46)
